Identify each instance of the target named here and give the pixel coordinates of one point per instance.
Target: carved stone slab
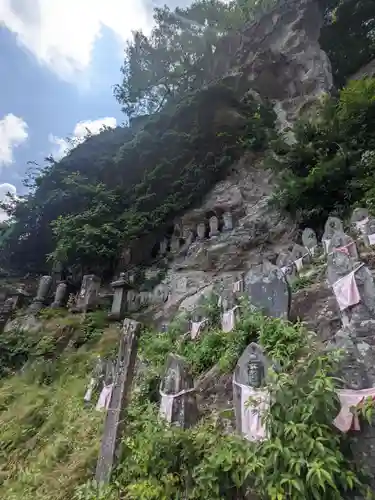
(115, 418)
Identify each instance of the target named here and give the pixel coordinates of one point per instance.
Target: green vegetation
(48, 439)
(331, 166)
(304, 458)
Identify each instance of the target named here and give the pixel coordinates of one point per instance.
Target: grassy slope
(48, 439)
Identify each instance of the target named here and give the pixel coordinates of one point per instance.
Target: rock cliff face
(279, 56)
(276, 59)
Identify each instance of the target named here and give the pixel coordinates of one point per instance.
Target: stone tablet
(341, 242)
(268, 290)
(358, 215)
(201, 231)
(178, 401)
(115, 419)
(332, 225)
(39, 301)
(228, 221)
(214, 226)
(300, 254)
(309, 238)
(60, 295)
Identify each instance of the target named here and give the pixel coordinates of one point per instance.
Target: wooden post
(115, 418)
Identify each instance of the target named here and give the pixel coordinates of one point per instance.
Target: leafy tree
(176, 57)
(348, 36)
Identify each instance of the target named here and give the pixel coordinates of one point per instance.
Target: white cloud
(81, 130)
(13, 132)
(62, 33)
(6, 188)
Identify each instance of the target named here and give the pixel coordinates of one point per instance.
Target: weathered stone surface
(358, 215)
(178, 405)
(268, 290)
(332, 225)
(300, 253)
(359, 318)
(115, 418)
(120, 299)
(342, 242)
(201, 230)
(317, 307)
(228, 221)
(287, 266)
(88, 296)
(39, 301)
(60, 295)
(309, 238)
(251, 371)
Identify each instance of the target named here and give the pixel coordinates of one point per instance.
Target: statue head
(255, 370)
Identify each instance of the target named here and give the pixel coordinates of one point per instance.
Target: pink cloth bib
(346, 419)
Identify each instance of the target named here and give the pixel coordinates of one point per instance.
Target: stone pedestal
(39, 301)
(120, 297)
(88, 296)
(60, 295)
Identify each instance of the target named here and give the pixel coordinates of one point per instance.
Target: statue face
(256, 373)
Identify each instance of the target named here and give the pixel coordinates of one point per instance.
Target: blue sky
(59, 60)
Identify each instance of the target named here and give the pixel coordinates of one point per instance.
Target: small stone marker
(178, 402)
(88, 296)
(359, 219)
(228, 221)
(201, 231)
(60, 295)
(309, 240)
(332, 225)
(39, 301)
(248, 379)
(360, 317)
(341, 242)
(115, 418)
(214, 226)
(119, 301)
(268, 290)
(300, 256)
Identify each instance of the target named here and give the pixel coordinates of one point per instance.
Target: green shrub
(330, 167)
